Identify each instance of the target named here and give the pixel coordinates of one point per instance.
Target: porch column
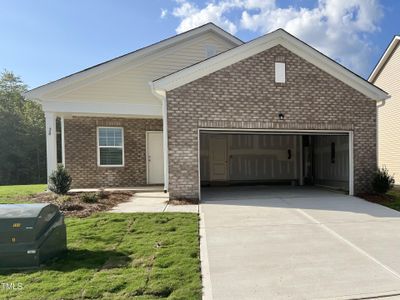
(51, 142)
(165, 143)
(62, 141)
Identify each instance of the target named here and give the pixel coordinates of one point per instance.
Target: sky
(43, 40)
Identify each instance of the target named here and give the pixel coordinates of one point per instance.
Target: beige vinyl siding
(130, 84)
(389, 116)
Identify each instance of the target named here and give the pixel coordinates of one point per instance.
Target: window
(110, 141)
(211, 50)
(333, 153)
(280, 76)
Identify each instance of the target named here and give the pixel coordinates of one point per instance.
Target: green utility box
(30, 234)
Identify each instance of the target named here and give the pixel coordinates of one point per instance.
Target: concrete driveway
(297, 243)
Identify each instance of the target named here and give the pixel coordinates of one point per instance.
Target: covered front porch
(107, 147)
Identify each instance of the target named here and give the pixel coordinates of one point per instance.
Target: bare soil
(182, 202)
(73, 205)
(376, 198)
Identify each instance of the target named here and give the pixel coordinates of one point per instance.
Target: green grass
(119, 256)
(19, 193)
(394, 203)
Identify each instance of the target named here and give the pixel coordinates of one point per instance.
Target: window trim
(280, 72)
(119, 147)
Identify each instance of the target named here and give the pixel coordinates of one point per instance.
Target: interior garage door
(271, 158)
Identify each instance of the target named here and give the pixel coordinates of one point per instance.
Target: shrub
(101, 194)
(60, 181)
(382, 181)
(89, 197)
(63, 199)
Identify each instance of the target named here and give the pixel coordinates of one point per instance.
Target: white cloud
(164, 13)
(338, 28)
(192, 16)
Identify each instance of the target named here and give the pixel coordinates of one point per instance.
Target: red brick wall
(81, 152)
(244, 95)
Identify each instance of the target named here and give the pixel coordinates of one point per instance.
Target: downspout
(162, 96)
(379, 105)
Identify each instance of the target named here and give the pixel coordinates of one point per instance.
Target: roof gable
(384, 59)
(129, 58)
(278, 37)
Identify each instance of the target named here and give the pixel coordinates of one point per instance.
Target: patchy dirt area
(391, 199)
(83, 204)
(377, 198)
(182, 202)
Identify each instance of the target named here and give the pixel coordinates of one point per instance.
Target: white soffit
(53, 86)
(278, 37)
(382, 62)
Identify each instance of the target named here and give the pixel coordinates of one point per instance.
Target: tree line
(22, 134)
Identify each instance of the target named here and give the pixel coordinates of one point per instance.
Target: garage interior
(275, 158)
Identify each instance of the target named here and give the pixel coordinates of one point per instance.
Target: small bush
(60, 181)
(382, 181)
(89, 197)
(101, 194)
(63, 199)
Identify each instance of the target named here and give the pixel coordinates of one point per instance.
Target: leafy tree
(22, 134)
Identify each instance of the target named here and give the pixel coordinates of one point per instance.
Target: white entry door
(218, 158)
(155, 161)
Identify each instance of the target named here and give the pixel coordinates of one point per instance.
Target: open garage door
(284, 158)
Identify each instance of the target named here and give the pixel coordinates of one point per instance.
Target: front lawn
(19, 193)
(119, 256)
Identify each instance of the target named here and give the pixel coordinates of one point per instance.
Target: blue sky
(43, 40)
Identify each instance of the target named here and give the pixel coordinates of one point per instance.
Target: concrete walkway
(297, 243)
(152, 202)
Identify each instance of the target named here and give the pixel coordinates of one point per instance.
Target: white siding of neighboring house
(130, 83)
(389, 116)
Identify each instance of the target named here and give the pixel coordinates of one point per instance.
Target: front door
(155, 161)
(218, 158)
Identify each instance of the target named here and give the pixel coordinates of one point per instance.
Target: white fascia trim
(138, 54)
(384, 58)
(261, 44)
(105, 108)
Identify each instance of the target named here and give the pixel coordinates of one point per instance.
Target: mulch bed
(182, 202)
(377, 198)
(73, 205)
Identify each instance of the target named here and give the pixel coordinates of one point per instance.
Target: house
(204, 108)
(386, 75)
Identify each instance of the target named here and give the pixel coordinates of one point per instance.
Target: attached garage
(272, 111)
(232, 157)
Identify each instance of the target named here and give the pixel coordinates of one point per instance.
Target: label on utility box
(16, 225)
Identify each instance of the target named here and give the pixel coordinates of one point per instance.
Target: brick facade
(244, 95)
(81, 152)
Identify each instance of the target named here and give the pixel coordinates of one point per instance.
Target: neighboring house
(386, 75)
(205, 108)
